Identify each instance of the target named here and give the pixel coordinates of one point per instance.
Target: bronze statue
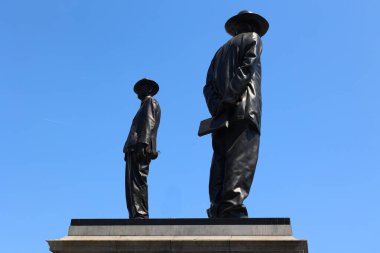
(140, 148)
(233, 96)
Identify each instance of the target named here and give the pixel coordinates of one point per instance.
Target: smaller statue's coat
(140, 148)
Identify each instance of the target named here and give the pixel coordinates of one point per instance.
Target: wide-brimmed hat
(145, 82)
(247, 17)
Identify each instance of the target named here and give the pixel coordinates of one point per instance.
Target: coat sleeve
(213, 100)
(244, 72)
(147, 121)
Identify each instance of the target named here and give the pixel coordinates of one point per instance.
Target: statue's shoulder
(243, 39)
(150, 99)
(250, 37)
(154, 102)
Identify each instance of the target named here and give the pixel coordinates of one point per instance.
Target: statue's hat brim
(247, 17)
(145, 82)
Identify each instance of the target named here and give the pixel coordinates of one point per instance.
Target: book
(211, 125)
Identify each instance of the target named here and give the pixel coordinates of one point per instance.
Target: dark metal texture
(233, 89)
(260, 22)
(140, 148)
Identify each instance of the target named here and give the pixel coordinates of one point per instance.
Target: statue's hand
(141, 152)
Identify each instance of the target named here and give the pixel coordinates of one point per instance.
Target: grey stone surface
(179, 239)
(172, 244)
(182, 230)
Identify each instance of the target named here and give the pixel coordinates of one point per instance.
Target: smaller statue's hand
(140, 155)
(141, 152)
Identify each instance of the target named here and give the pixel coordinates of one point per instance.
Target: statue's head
(145, 87)
(246, 21)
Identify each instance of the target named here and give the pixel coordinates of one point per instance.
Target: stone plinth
(269, 235)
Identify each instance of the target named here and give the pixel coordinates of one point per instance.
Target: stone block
(180, 236)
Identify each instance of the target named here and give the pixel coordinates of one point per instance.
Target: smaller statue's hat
(247, 17)
(145, 82)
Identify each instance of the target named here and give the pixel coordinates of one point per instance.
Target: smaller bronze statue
(233, 97)
(140, 148)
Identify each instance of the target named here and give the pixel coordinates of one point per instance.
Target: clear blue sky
(67, 69)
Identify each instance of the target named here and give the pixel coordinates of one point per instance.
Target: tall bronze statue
(233, 96)
(140, 149)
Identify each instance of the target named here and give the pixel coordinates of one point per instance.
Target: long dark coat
(143, 130)
(234, 77)
(145, 126)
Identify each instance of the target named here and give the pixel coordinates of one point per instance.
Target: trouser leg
(136, 187)
(242, 147)
(238, 146)
(128, 183)
(216, 175)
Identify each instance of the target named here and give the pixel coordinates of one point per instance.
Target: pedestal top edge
(181, 221)
(175, 238)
